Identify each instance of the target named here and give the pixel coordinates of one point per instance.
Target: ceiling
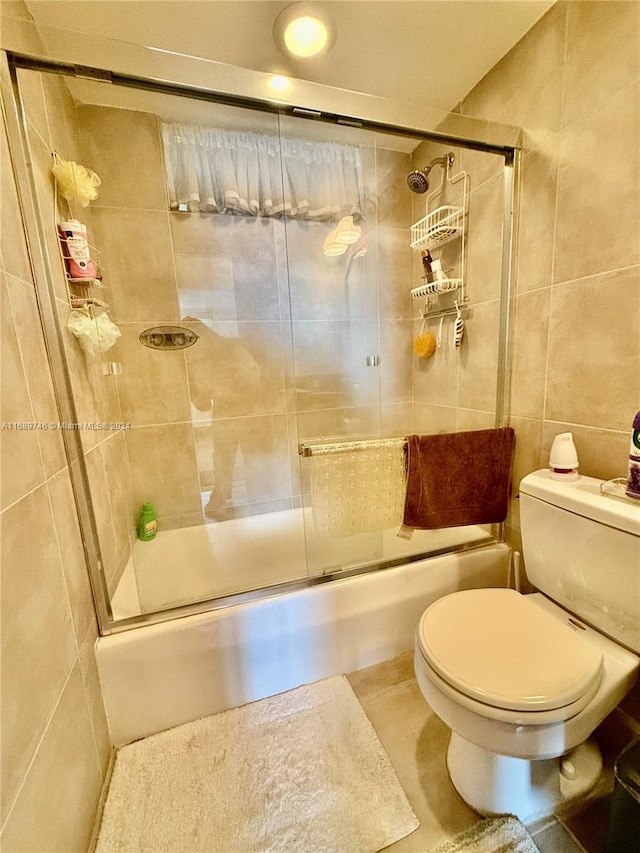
(429, 52)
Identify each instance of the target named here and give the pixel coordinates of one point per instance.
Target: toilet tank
(582, 549)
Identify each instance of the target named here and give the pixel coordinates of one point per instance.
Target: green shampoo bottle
(147, 523)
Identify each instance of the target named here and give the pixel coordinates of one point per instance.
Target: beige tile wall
(55, 743)
(573, 84)
(132, 228)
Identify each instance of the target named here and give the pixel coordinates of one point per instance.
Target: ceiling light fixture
(304, 30)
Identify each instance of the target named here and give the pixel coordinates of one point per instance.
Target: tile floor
(416, 742)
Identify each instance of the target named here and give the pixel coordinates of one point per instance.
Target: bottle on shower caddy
(147, 523)
(633, 477)
(438, 273)
(427, 261)
(76, 252)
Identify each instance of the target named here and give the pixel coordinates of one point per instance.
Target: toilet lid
(503, 650)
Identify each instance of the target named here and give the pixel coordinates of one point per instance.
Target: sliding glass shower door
(258, 271)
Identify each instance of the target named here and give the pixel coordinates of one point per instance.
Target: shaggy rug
(496, 835)
(301, 772)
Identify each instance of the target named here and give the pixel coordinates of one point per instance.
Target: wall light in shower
(331, 248)
(304, 30)
(345, 234)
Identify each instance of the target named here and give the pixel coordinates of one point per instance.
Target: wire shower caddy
(440, 226)
(79, 289)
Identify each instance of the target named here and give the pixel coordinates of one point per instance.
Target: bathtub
(158, 676)
(208, 561)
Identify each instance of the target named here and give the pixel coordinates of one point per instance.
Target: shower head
(418, 180)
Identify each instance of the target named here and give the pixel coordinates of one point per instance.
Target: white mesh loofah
(95, 334)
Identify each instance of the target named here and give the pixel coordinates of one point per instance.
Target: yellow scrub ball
(76, 182)
(425, 345)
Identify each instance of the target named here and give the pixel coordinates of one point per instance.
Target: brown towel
(458, 478)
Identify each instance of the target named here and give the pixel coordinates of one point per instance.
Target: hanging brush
(458, 327)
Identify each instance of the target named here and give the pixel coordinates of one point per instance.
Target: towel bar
(349, 446)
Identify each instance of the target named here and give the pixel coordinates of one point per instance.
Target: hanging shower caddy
(88, 321)
(79, 283)
(439, 226)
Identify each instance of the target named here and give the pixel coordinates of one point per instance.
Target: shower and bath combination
(305, 399)
(418, 180)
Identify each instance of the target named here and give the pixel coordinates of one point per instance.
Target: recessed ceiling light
(305, 36)
(304, 30)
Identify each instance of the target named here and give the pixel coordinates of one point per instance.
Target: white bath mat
(301, 772)
(497, 835)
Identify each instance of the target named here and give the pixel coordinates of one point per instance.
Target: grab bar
(349, 446)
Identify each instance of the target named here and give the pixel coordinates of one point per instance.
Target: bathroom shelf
(83, 281)
(437, 228)
(433, 288)
(86, 282)
(87, 302)
(79, 289)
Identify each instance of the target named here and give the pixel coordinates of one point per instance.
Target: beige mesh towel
(359, 490)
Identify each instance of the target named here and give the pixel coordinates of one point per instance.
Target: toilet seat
(505, 653)
(536, 719)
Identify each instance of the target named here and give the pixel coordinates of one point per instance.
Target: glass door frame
(139, 68)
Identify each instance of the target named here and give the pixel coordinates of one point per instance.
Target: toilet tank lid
(583, 497)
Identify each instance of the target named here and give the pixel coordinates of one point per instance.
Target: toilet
(523, 680)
